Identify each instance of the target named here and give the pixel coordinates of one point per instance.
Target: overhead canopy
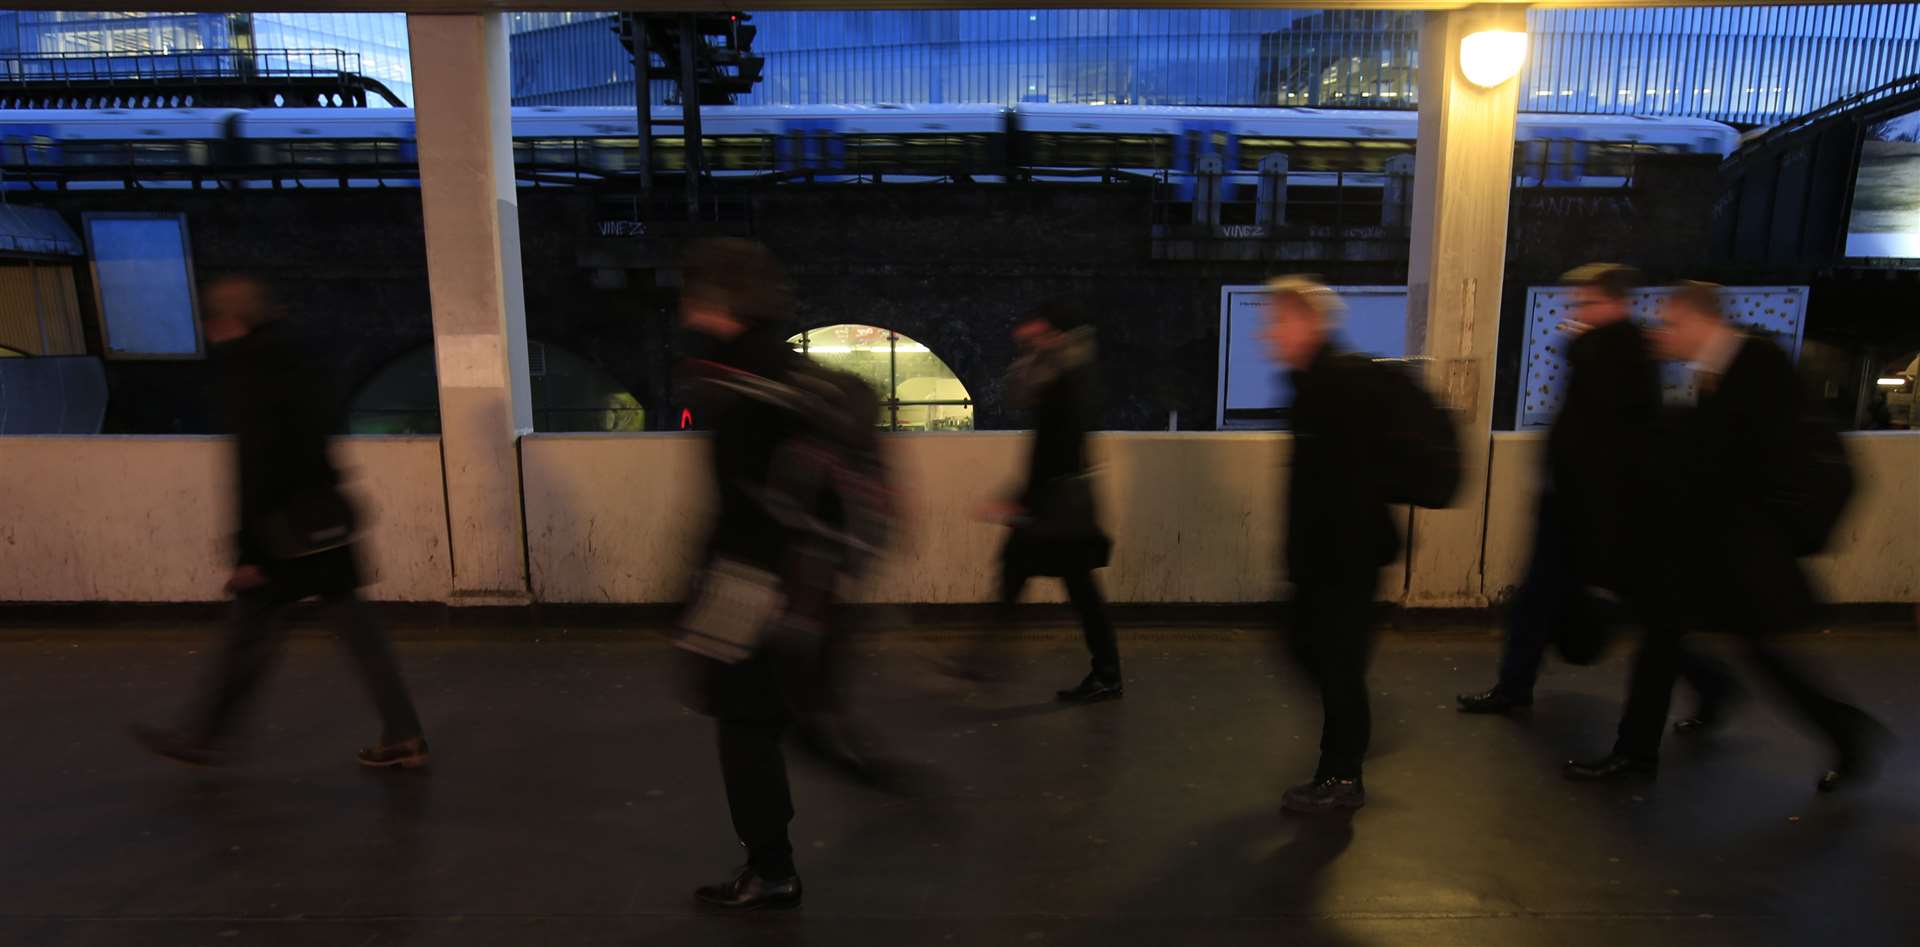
(37, 230)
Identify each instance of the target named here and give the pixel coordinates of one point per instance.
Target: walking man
(296, 537)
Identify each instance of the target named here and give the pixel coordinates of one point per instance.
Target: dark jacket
(1059, 532)
(281, 410)
(739, 394)
(1597, 449)
(1338, 522)
(1729, 551)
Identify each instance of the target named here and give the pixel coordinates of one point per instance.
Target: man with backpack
(801, 504)
(1750, 483)
(1364, 436)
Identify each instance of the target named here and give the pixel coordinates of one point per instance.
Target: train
(356, 147)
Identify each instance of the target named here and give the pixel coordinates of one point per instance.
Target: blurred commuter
(1364, 436)
(802, 506)
(297, 535)
(1750, 483)
(1587, 551)
(1055, 518)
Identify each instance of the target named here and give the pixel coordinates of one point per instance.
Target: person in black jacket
(1339, 529)
(1585, 560)
(1727, 551)
(1056, 528)
(296, 533)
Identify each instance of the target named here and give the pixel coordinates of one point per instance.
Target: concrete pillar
(1463, 163)
(461, 97)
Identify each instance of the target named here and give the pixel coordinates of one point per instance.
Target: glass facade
(1748, 65)
(1752, 65)
(378, 39)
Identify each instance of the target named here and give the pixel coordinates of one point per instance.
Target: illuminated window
(918, 392)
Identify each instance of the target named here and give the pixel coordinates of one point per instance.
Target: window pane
(146, 298)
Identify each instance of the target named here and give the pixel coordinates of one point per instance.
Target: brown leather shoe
(407, 754)
(750, 892)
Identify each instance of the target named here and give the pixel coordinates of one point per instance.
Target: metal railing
(192, 65)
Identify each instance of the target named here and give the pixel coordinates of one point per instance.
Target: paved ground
(572, 801)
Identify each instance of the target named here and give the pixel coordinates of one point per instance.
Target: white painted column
(1462, 181)
(461, 100)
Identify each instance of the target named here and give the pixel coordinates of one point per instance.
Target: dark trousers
(1095, 625)
(1544, 602)
(1664, 656)
(758, 798)
(1331, 638)
(254, 636)
(1548, 600)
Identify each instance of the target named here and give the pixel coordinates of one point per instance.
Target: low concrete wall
(617, 518)
(1875, 556)
(147, 519)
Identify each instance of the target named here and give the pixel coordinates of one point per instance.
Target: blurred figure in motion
(802, 506)
(1585, 550)
(296, 536)
(1364, 436)
(1750, 483)
(1055, 519)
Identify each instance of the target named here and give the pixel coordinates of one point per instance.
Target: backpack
(854, 490)
(1421, 462)
(1816, 487)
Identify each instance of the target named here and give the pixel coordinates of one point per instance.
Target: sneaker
(407, 754)
(1325, 795)
(1494, 701)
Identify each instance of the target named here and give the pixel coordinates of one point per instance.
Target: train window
(724, 153)
(934, 154)
(1050, 149)
(1324, 154)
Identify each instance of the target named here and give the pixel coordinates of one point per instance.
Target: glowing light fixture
(1891, 381)
(1491, 57)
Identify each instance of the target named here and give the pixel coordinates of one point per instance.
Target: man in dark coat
(1586, 551)
(791, 525)
(295, 536)
(1339, 529)
(1726, 551)
(1056, 527)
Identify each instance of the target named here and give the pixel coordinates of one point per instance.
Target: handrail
(1793, 126)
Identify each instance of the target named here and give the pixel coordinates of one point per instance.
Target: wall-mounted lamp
(1491, 57)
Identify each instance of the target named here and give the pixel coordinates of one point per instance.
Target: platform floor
(573, 801)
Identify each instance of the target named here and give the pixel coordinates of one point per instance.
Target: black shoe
(1495, 701)
(750, 892)
(1611, 766)
(1325, 795)
(1093, 689)
(408, 754)
(173, 746)
(1698, 725)
(1860, 763)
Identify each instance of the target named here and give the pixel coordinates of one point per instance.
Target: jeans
(254, 636)
(1331, 639)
